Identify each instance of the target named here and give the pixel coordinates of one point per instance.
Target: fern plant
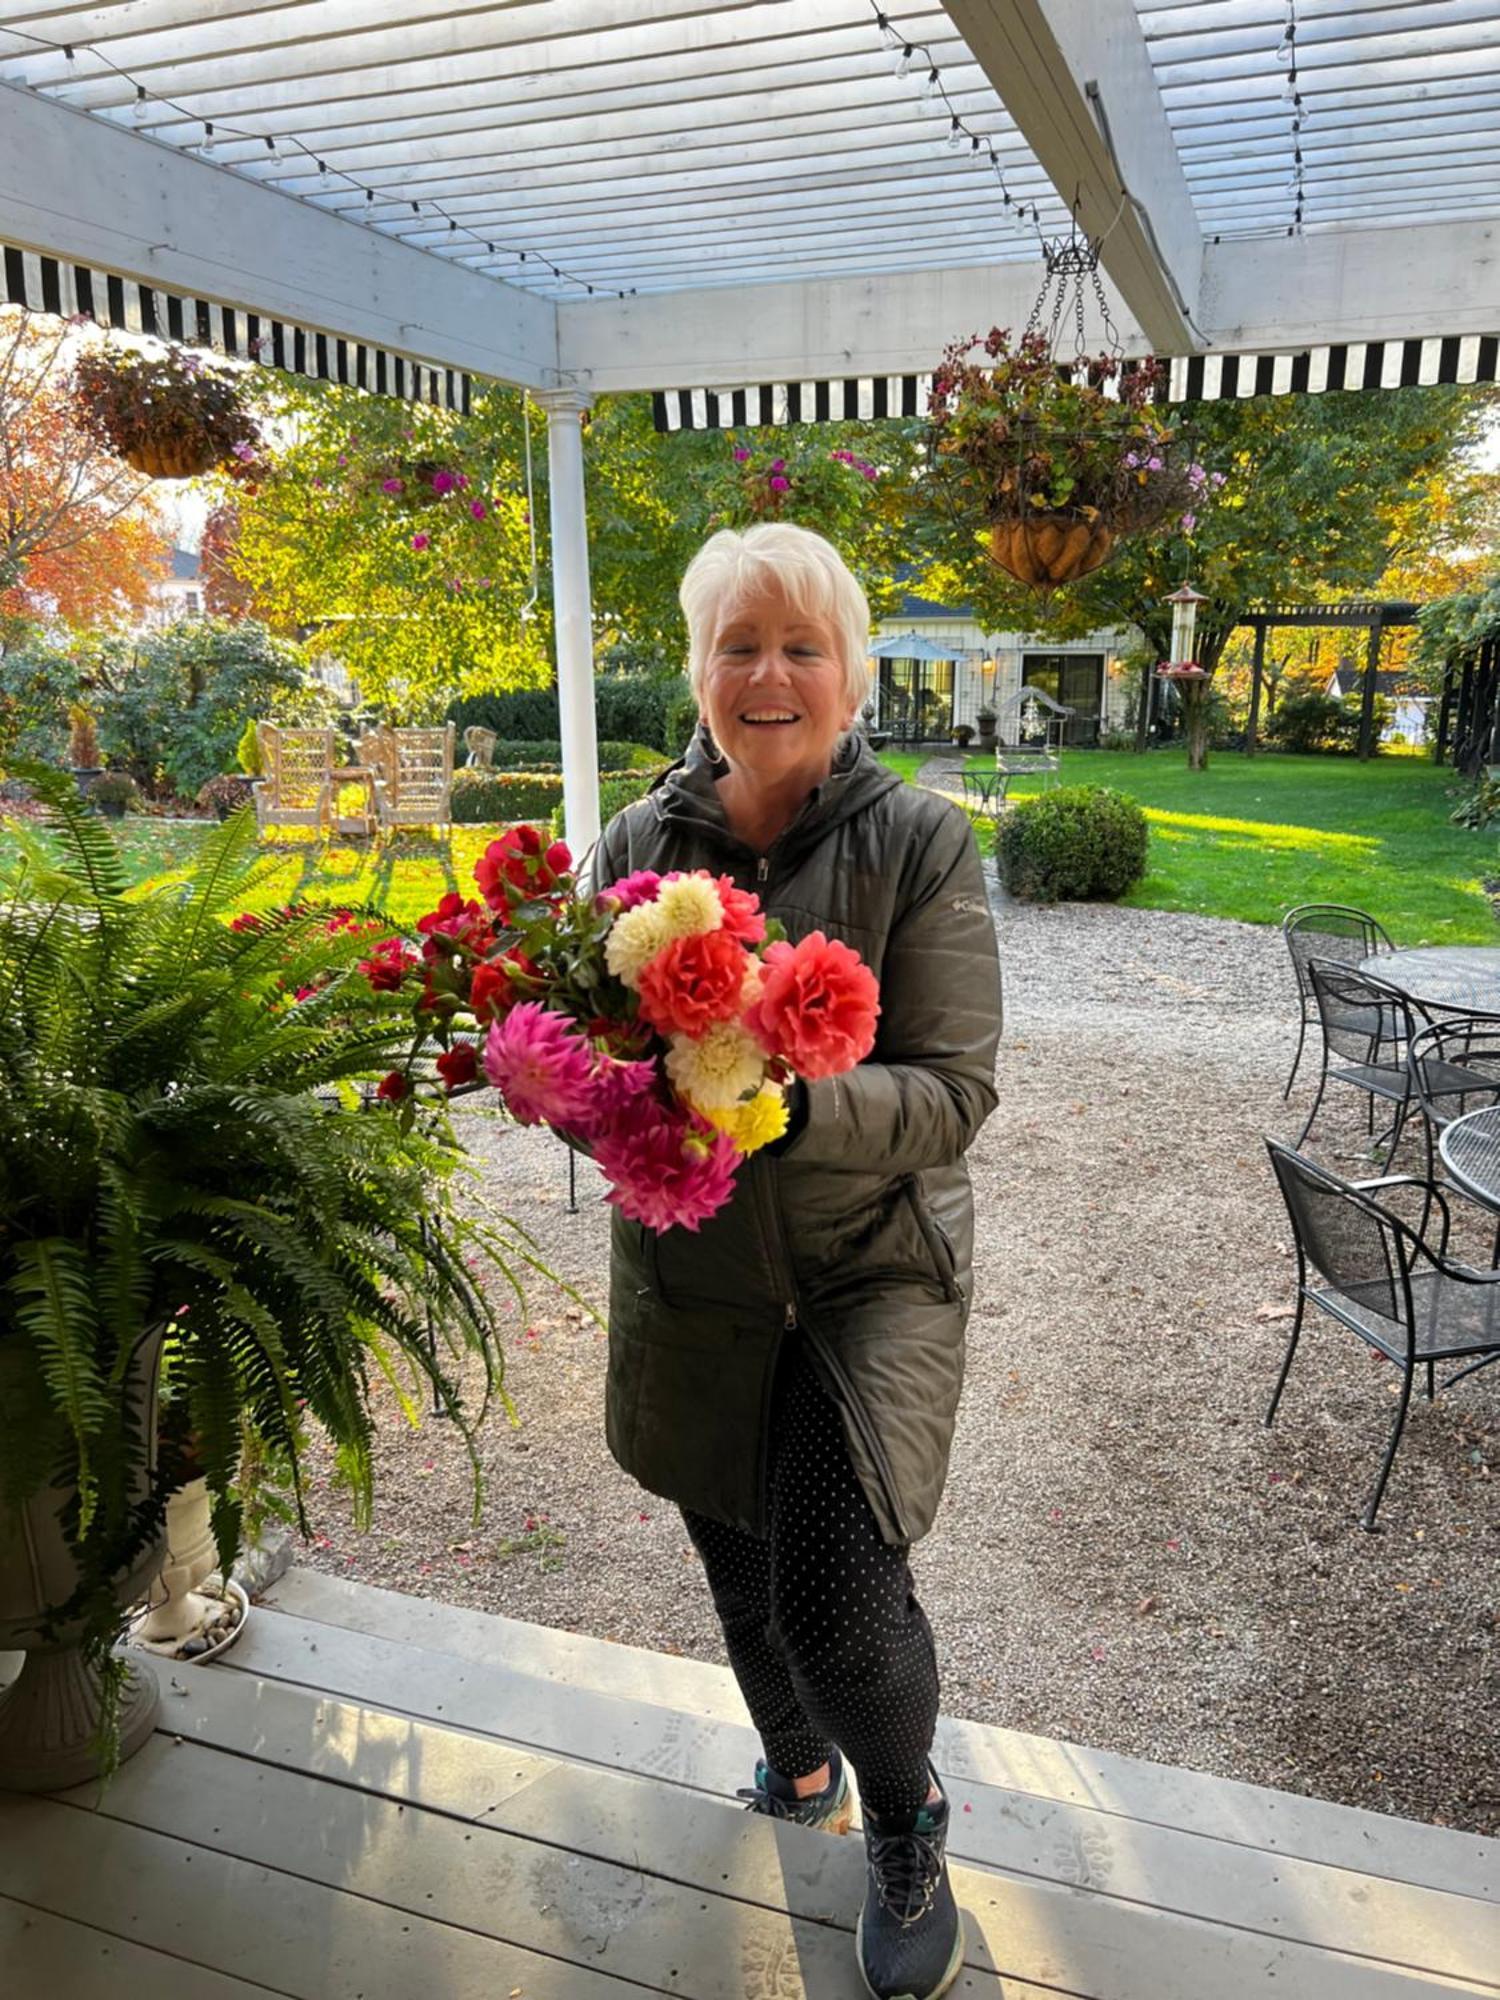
(186, 1143)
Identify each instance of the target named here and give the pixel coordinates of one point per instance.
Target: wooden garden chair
(298, 776)
(414, 785)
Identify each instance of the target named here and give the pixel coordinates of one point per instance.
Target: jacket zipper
(943, 1261)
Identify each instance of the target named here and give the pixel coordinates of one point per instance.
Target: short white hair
(808, 571)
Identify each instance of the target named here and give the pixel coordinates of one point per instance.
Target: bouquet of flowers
(658, 1024)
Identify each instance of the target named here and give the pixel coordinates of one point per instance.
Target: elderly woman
(789, 1375)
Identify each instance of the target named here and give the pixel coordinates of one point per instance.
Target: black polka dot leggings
(821, 1621)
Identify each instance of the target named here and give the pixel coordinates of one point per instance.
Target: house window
(191, 604)
(916, 699)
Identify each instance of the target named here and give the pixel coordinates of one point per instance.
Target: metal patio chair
(1325, 930)
(1368, 1025)
(1363, 1265)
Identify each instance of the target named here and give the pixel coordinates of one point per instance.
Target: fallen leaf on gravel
(1275, 1312)
(1146, 1604)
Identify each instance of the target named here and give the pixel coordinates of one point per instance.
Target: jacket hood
(687, 792)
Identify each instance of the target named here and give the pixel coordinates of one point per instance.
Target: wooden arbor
(1375, 615)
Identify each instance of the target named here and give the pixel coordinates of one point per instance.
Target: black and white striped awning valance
(1193, 378)
(51, 285)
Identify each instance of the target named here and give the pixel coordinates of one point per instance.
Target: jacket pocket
(940, 1251)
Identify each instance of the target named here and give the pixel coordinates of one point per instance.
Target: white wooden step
(1035, 1769)
(1051, 1845)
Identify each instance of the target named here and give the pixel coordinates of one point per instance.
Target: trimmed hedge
(485, 798)
(628, 708)
(1081, 843)
(516, 753)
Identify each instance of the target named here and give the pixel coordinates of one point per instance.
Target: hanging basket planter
(167, 413)
(1057, 464)
(1046, 549)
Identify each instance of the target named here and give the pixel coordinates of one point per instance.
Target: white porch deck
(376, 1797)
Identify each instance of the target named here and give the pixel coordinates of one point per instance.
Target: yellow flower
(690, 906)
(756, 1123)
(719, 1068)
(634, 940)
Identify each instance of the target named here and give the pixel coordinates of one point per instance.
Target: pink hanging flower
(779, 485)
(392, 486)
(443, 482)
(740, 454)
(477, 509)
(541, 1066)
(420, 542)
(667, 1171)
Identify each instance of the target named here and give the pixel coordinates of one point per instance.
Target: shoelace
(759, 1798)
(907, 1868)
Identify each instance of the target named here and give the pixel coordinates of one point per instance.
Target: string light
(934, 91)
(290, 145)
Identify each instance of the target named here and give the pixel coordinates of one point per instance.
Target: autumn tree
(80, 543)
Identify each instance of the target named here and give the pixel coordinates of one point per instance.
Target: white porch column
(572, 616)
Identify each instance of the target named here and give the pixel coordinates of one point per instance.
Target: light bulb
(887, 33)
(207, 146)
(139, 109)
(932, 86)
(955, 139)
(903, 61)
(325, 179)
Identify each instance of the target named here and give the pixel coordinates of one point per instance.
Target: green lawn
(1251, 837)
(406, 877)
(1246, 838)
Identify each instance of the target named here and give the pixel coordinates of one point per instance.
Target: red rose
(460, 1064)
(491, 992)
(817, 1006)
(388, 965)
(694, 982)
(393, 1087)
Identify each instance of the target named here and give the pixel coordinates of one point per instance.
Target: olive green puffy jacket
(857, 1234)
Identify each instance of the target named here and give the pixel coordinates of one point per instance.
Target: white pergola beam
(893, 324)
(1270, 294)
(78, 188)
(1052, 62)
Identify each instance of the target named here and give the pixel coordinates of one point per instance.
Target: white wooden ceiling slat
(544, 142)
(1353, 31)
(362, 31)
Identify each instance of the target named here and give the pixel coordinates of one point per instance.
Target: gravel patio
(1124, 1557)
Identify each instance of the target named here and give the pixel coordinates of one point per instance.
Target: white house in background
(179, 593)
(923, 698)
(1409, 707)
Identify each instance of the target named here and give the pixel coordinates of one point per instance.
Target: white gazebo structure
(761, 209)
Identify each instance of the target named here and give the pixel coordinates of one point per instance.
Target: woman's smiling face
(773, 691)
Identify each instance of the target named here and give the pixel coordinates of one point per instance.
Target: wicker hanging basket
(1044, 550)
(184, 459)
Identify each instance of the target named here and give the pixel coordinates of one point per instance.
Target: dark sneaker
(910, 1937)
(832, 1809)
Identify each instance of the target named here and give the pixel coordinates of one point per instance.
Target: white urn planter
(49, 1715)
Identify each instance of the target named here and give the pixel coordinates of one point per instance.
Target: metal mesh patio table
(1469, 1148)
(1453, 978)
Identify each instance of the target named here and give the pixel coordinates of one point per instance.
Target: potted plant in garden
(83, 748)
(986, 717)
(185, 1151)
(167, 412)
(113, 794)
(1055, 468)
(963, 734)
(225, 794)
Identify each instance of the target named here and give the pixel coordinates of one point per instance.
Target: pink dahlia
(629, 891)
(743, 918)
(666, 1170)
(622, 1090)
(541, 1066)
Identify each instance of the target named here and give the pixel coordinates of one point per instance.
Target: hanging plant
(417, 482)
(1058, 467)
(167, 412)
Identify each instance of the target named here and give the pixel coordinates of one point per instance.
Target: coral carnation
(817, 1006)
(541, 1066)
(692, 983)
(666, 1171)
